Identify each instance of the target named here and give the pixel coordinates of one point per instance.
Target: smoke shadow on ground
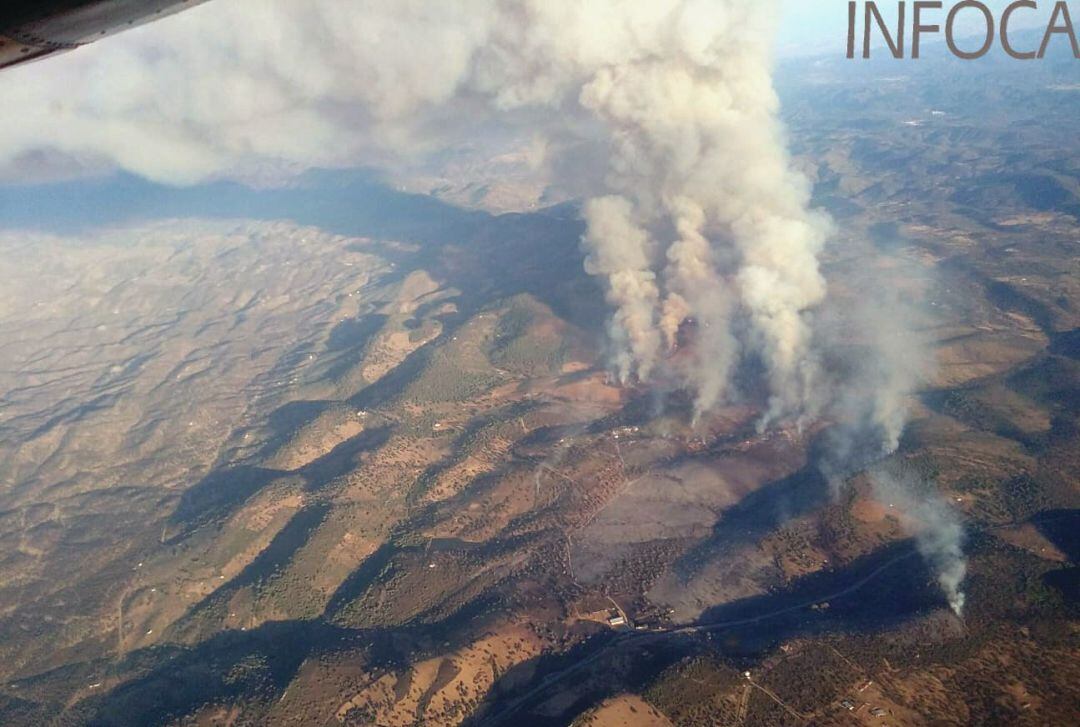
(355, 333)
(890, 586)
(354, 202)
(1051, 380)
(1003, 295)
(394, 383)
(1062, 528)
(1039, 190)
(368, 572)
(960, 403)
(887, 587)
(756, 515)
(483, 256)
(223, 493)
(347, 202)
(492, 257)
(1066, 343)
(536, 252)
(1065, 581)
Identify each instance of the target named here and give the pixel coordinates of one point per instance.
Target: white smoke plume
(698, 152)
(620, 252)
(695, 289)
(883, 361)
(870, 406)
(697, 212)
(938, 533)
(660, 114)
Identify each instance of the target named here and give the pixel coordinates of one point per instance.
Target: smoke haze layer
(660, 116)
(693, 208)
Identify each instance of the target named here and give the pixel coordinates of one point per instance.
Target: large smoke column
(620, 251)
(693, 209)
(698, 154)
(695, 288)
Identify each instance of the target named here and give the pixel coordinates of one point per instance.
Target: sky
(811, 27)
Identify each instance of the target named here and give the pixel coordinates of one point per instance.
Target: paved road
(649, 637)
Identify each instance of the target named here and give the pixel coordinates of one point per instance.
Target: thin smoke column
(939, 535)
(870, 408)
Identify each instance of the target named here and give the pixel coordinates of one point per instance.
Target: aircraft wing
(33, 29)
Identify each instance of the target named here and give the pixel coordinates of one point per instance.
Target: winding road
(644, 638)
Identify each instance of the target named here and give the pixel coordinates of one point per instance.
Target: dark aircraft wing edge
(33, 29)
